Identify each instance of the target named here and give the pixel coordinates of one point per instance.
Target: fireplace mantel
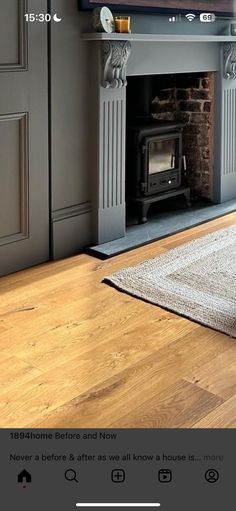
(117, 47)
(158, 38)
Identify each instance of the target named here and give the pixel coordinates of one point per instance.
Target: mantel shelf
(151, 38)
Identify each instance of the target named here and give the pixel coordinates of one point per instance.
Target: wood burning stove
(155, 165)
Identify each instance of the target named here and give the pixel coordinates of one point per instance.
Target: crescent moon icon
(55, 17)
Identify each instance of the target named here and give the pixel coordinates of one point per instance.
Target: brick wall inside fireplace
(190, 98)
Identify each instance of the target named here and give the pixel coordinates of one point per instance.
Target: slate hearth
(161, 225)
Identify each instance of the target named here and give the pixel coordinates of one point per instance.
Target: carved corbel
(115, 55)
(230, 61)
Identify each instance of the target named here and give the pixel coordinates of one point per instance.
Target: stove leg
(188, 198)
(144, 212)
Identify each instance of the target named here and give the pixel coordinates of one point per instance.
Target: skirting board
(71, 230)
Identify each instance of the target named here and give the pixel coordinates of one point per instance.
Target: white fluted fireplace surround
(116, 56)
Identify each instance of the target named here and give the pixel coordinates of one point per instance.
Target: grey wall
(71, 193)
(71, 80)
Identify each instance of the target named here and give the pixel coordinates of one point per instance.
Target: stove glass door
(162, 155)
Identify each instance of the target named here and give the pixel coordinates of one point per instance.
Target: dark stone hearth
(164, 223)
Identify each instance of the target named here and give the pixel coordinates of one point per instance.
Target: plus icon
(118, 475)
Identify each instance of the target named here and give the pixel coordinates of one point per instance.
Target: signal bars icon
(173, 19)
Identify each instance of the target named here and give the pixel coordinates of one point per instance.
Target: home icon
(24, 477)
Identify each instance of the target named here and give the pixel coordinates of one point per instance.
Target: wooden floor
(75, 352)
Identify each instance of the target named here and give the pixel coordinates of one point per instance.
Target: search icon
(70, 475)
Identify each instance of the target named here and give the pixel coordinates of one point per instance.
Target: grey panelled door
(24, 207)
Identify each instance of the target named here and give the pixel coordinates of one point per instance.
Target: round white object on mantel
(103, 20)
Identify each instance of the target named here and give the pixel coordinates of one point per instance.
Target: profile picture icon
(212, 475)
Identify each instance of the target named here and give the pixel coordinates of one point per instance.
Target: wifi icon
(190, 16)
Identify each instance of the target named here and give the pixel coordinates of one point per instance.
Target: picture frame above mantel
(220, 7)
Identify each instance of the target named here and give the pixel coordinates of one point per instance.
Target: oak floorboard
(218, 376)
(14, 373)
(76, 352)
(178, 405)
(224, 416)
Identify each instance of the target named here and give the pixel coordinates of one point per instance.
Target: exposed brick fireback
(190, 99)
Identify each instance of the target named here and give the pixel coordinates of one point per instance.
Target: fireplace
(114, 60)
(155, 165)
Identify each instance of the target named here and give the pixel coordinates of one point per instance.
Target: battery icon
(207, 17)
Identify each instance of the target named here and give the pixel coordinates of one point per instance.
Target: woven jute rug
(196, 280)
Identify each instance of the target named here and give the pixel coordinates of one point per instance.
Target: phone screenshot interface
(117, 254)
